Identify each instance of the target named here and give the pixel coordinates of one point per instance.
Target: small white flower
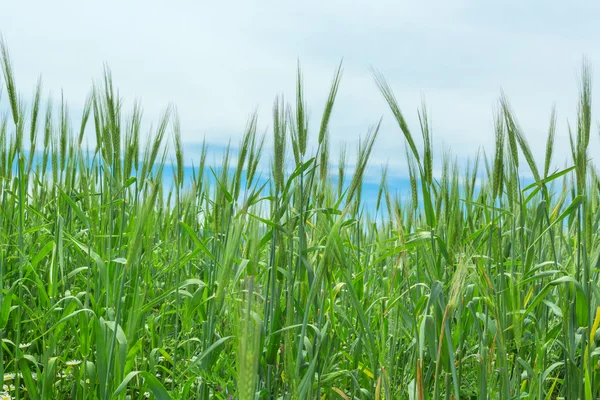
(168, 380)
(24, 345)
(9, 377)
(5, 396)
(73, 363)
(147, 395)
(160, 358)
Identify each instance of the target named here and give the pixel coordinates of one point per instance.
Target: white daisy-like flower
(160, 358)
(168, 380)
(9, 377)
(5, 396)
(24, 345)
(147, 395)
(73, 363)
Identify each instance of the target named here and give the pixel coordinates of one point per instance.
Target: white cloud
(218, 61)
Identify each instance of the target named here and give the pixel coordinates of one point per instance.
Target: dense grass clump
(225, 284)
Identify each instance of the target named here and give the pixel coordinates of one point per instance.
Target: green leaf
(150, 382)
(31, 385)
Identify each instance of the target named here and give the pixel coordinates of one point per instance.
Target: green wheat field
(251, 282)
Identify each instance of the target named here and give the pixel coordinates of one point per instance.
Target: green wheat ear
(9, 80)
(301, 118)
(249, 339)
(550, 142)
(498, 169)
(279, 143)
(178, 146)
(245, 151)
(329, 104)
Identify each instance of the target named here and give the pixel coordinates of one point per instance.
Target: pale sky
(217, 61)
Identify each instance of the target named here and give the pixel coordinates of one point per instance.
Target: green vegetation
(227, 285)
